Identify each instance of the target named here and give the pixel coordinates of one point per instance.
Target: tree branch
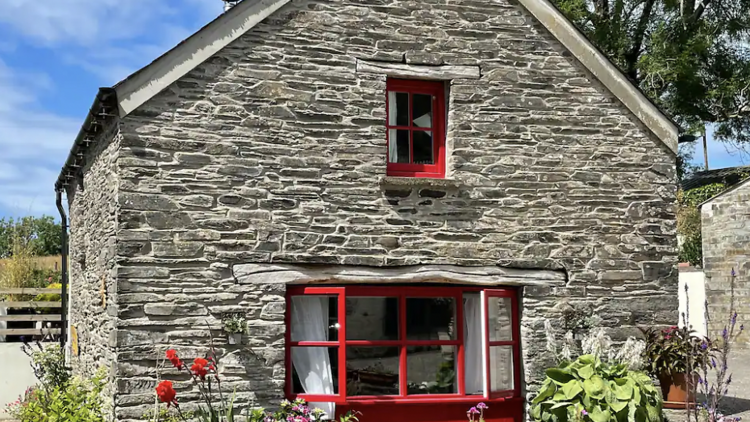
(631, 57)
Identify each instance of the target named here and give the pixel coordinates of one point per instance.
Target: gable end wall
(273, 151)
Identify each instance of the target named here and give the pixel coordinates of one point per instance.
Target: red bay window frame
(403, 293)
(411, 87)
(515, 343)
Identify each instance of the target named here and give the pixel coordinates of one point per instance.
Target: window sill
(395, 181)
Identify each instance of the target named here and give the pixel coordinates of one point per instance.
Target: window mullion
(342, 344)
(402, 383)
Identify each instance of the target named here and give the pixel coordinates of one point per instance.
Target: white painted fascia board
(167, 69)
(606, 72)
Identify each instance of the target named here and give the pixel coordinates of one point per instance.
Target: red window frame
(411, 87)
(403, 343)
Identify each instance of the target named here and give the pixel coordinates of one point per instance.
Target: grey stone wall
(273, 151)
(93, 226)
(726, 246)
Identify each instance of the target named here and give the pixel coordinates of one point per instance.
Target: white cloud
(32, 141)
(106, 38)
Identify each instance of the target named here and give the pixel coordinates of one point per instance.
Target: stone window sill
(393, 181)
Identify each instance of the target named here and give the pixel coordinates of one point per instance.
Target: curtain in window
(473, 344)
(313, 364)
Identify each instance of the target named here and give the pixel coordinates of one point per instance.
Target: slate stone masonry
(273, 151)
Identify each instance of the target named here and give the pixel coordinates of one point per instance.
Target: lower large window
(362, 344)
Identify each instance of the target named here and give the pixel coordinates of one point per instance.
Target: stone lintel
(449, 274)
(400, 70)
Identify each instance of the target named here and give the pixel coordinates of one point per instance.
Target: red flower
(199, 368)
(172, 356)
(166, 393)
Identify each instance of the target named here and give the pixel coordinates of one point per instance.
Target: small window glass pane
(501, 368)
(422, 113)
(314, 318)
(423, 153)
(372, 371)
(372, 318)
(431, 370)
(473, 345)
(398, 143)
(315, 370)
(500, 318)
(431, 318)
(398, 109)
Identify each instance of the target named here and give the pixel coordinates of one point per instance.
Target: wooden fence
(31, 317)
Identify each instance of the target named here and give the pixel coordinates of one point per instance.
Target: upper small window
(416, 128)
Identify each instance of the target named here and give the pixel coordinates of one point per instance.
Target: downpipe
(64, 268)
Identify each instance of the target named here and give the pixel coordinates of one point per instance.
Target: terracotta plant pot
(674, 389)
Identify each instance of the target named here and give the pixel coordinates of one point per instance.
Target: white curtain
(313, 364)
(473, 344)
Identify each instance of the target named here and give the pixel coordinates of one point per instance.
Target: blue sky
(55, 54)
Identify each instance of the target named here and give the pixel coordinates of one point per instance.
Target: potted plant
(234, 326)
(673, 356)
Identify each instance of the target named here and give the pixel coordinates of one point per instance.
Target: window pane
(315, 370)
(398, 143)
(372, 318)
(500, 318)
(423, 153)
(473, 352)
(501, 368)
(372, 371)
(314, 318)
(431, 370)
(422, 113)
(398, 109)
(430, 318)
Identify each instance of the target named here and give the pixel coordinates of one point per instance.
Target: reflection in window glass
(314, 318)
(501, 368)
(430, 318)
(473, 344)
(372, 318)
(500, 318)
(431, 370)
(372, 371)
(315, 370)
(398, 109)
(422, 112)
(423, 153)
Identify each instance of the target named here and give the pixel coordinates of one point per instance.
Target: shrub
(77, 401)
(48, 364)
(235, 324)
(588, 389)
(674, 351)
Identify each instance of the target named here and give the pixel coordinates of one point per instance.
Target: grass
(39, 262)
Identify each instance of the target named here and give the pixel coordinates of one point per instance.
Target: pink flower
(482, 406)
(473, 411)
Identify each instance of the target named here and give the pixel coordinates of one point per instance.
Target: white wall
(16, 376)
(695, 297)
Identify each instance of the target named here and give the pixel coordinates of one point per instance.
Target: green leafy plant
(77, 401)
(48, 363)
(590, 390)
(235, 324)
(673, 351)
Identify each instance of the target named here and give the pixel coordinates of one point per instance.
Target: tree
(41, 234)
(691, 57)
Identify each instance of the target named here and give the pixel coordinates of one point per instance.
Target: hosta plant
(590, 390)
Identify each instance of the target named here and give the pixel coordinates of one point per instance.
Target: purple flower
(473, 411)
(733, 273)
(713, 362)
(725, 333)
(700, 380)
(704, 346)
(734, 318)
(481, 406)
(584, 412)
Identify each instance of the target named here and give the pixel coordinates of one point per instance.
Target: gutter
(103, 108)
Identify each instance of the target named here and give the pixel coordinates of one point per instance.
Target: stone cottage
(395, 194)
(725, 225)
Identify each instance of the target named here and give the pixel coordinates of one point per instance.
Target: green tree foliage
(689, 221)
(689, 56)
(41, 234)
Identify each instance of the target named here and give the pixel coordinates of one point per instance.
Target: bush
(77, 401)
(49, 365)
(592, 391)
